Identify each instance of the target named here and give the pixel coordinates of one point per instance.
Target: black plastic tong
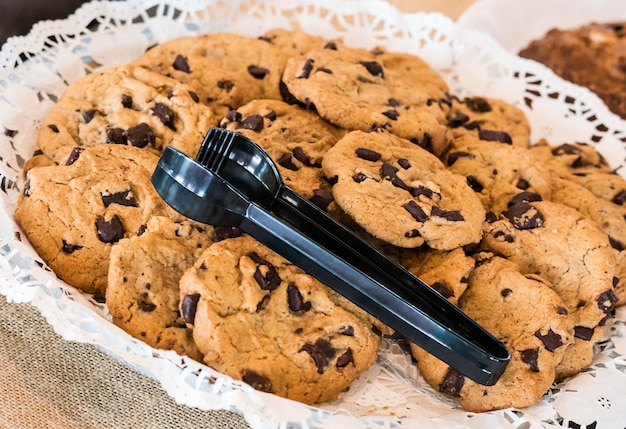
(234, 182)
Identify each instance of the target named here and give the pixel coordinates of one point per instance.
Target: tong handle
(339, 258)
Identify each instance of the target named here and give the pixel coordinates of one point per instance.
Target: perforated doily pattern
(34, 71)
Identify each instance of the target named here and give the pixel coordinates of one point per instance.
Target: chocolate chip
(261, 304)
(374, 68)
(252, 122)
(233, 116)
(257, 381)
(127, 101)
(146, 307)
(583, 333)
(300, 155)
(620, 198)
(474, 125)
(70, 248)
(345, 359)
(306, 69)
(391, 114)
(322, 198)
(271, 115)
(74, 155)
(123, 198)
(443, 289)
(116, 136)
(324, 70)
(188, 307)
(367, 154)
(506, 292)
(321, 352)
(459, 119)
(616, 244)
(348, 331)
(110, 231)
(416, 211)
(530, 357)
(88, 115)
(478, 104)
(454, 156)
(394, 102)
(551, 340)
(452, 383)
(331, 45)
(221, 233)
(269, 280)
(295, 300)
(258, 72)
(286, 160)
(225, 84)
(286, 95)
(359, 177)
(142, 229)
(606, 301)
(523, 184)
(165, 114)
(404, 163)
(53, 128)
(194, 96)
(490, 217)
(566, 149)
(450, 215)
(474, 183)
(495, 136)
(524, 197)
(562, 310)
(181, 64)
(503, 237)
(412, 233)
(524, 216)
(141, 135)
(422, 190)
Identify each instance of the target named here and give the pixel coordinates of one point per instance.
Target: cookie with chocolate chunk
(297, 42)
(531, 320)
(258, 318)
(225, 70)
(360, 90)
(401, 193)
(142, 292)
(489, 119)
(296, 139)
(73, 214)
(570, 158)
(570, 251)
(497, 171)
(125, 106)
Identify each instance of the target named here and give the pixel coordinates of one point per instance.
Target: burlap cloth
(47, 382)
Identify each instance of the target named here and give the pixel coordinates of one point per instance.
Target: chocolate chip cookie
(402, 194)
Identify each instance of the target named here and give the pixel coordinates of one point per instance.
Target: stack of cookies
(528, 239)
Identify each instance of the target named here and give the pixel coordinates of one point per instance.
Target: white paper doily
(34, 71)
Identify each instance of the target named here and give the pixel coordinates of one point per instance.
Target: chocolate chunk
(394, 102)
(123, 198)
(388, 171)
(348, 331)
(322, 198)
(73, 155)
(459, 119)
(295, 300)
(443, 289)
(233, 116)
(110, 231)
(194, 96)
(562, 310)
(566, 149)
(506, 292)
(165, 114)
(271, 115)
(53, 128)
(454, 156)
(258, 72)
(524, 197)
(345, 359)
(391, 114)
(286, 160)
(416, 211)
(422, 190)
(524, 216)
(88, 115)
(412, 233)
(146, 307)
(530, 357)
(359, 177)
(490, 217)
(225, 84)
(523, 184)
(181, 64)
(606, 301)
(286, 95)
(321, 352)
(127, 101)
(221, 233)
(70, 248)
(551, 340)
(474, 125)
(583, 333)
(367, 154)
(474, 183)
(267, 278)
(616, 244)
(115, 136)
(452, 383)
(495, 136)
(188, 307)
(261, 304)
(478, 104)
(306, 69)
(450, 215)
(404, 163)
(331, 45)
(374, 68)
(300, 155)
(142, 229)
(503, 237)
(324, 70)
(252, 122)
(141, 135)
(620, 198)
(257, 381)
